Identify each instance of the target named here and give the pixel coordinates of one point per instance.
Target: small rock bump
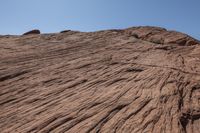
(32, 32)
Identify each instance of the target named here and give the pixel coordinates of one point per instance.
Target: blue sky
(19, 16)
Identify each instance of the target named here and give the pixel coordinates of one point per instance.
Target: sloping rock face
(140, 79)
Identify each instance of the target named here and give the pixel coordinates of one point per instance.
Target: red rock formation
(142, 79)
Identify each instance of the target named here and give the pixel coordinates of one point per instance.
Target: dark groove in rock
(11, 76)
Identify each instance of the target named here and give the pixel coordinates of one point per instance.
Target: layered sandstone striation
(140, 79)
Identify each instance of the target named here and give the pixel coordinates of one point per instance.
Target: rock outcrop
(140, 79)
(65, 31)
(32, 32)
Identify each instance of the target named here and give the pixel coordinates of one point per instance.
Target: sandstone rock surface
(140, 79)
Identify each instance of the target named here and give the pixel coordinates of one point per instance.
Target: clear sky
(19, 16)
